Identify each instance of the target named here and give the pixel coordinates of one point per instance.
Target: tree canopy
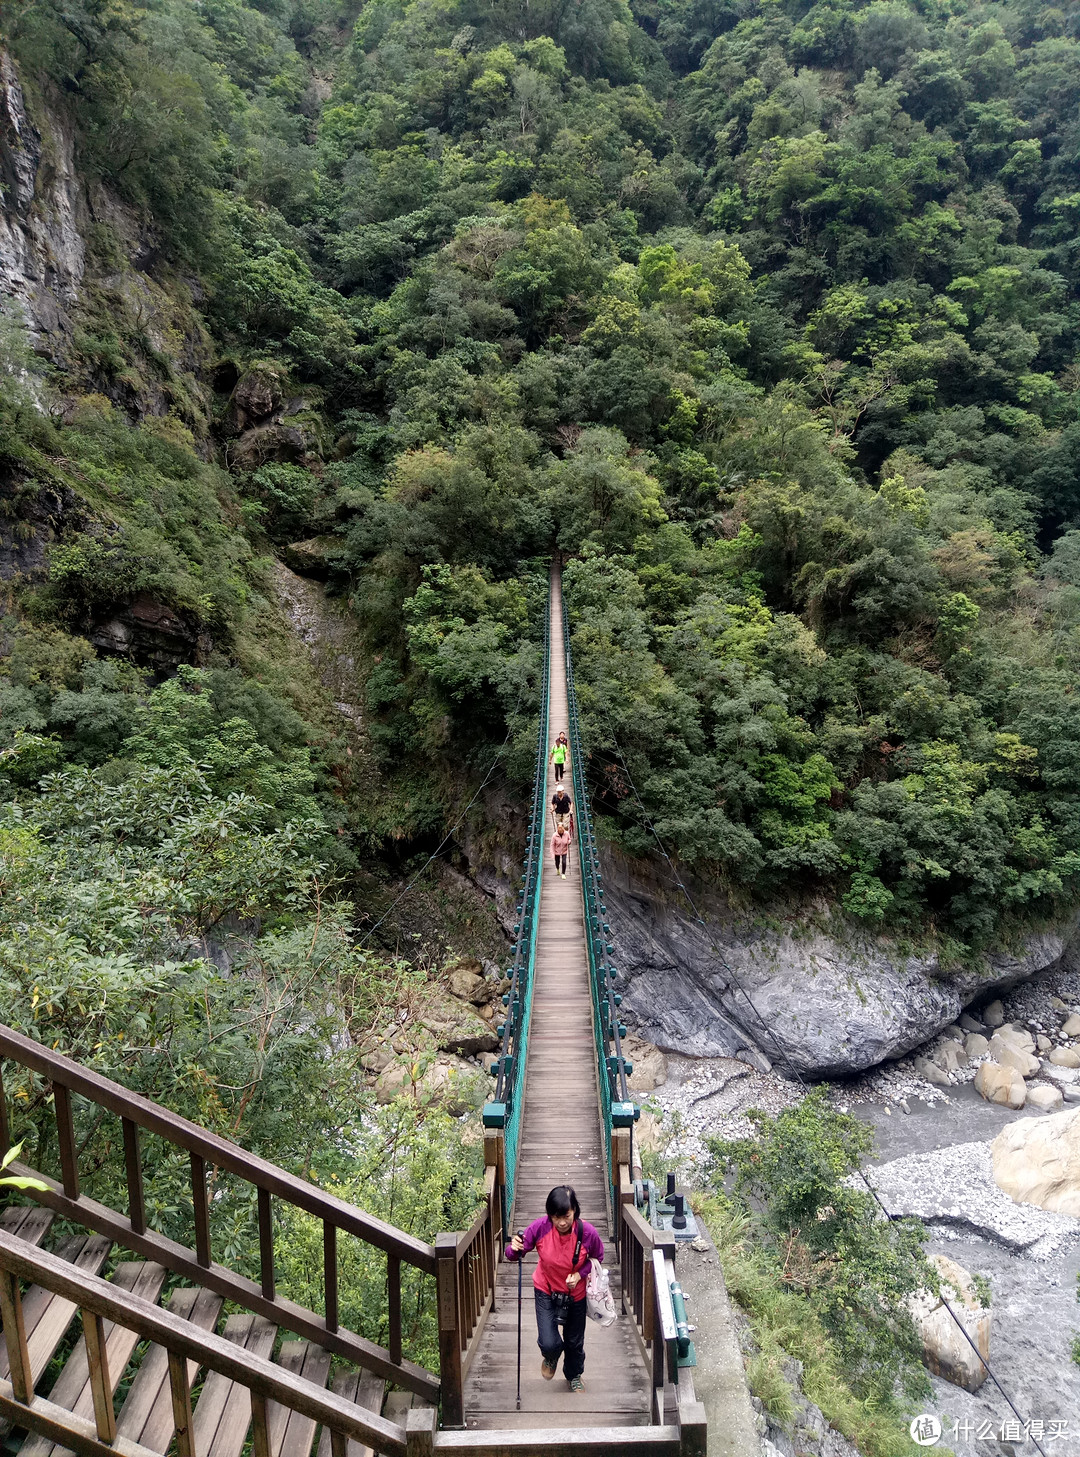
(765, 314)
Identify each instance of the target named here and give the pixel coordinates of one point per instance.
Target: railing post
(495, 1158)
(266, 1242)
(693, 1429)
(65, 1132)
(97, 1360)
(620, 1159)
(260, 1425)
(393, 1305)
(330, 1274)
(133, 1169)
(201, 1209)
(180, 1392)
(420, 1426)
(450, 1373)
(18, 1352)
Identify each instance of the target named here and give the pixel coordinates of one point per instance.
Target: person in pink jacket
(566, 1246)
(560, 848)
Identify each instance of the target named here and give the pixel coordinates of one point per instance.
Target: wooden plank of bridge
(292, 1433)
(366, 1390)
(561, 1142)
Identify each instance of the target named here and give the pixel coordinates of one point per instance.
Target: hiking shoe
(546, 1371)
(576, 1384)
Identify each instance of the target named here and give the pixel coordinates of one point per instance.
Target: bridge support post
(420, 1425)
(693, 1429)
(451, 1377)
(620, 1167)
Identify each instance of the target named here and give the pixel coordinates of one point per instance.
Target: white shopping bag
(599, 1300)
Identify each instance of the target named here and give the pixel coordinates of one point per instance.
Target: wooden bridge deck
(561, 1142)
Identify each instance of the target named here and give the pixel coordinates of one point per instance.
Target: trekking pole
(521, 1263)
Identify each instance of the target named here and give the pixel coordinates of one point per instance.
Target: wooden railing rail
(206, 1151)
(647, 1264)
(97, 1299)
(466, 1280)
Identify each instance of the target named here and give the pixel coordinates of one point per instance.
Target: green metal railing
(617, 1107)
(507, 1106)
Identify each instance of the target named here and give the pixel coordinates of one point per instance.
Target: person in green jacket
(559, 751)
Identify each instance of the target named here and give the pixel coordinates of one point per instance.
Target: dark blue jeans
(570, 1344)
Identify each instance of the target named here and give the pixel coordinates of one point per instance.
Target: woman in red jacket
(566, 1246)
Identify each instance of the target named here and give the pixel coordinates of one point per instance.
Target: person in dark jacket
(566, 1246)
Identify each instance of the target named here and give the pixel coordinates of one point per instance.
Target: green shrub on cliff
(823, 1276)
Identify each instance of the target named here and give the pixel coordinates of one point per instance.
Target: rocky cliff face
(43, 219)
(795, 996)
(86, 275)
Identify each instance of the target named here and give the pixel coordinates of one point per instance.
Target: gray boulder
(811, 1003)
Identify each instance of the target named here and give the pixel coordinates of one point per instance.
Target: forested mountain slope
(764, 313)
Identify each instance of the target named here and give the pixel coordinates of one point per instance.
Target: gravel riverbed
(932, 1159)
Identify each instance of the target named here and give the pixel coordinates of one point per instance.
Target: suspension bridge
(275, 1378)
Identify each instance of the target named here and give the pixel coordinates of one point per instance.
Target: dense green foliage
(765, 312)
(175, 934)
(823, 1275)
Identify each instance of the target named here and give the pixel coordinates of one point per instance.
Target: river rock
(945, 1350)
(1046, 1098)
(971, 1024)
(930, 1072)
(976, 1045)
(1037, 1161)
(455, 1084)
(466, 980)
(1043, 1044)
(1065, 1057)
(1006, 1054)
(1071, 1026)
(1000, 1084)
(650, 1064)
(1061, 1075)
(951, 1057)
(994, 1014)
(954, 1032)
(1014, 1036)
(814, 1004)
(457, 1028)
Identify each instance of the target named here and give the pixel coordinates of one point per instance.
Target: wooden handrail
(654, 1441)
(248, 1293)
(204, 1149)
(211, 1148)
(184, 1339)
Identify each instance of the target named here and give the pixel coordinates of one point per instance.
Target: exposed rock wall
(823, 1006)
(118, 288)
(43, 218)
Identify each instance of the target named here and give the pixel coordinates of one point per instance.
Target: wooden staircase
(117, 1361)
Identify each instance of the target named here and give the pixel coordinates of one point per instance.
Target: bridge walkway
(151, 1376)
(561, 1142)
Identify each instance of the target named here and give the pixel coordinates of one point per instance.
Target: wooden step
(366, 1390)
(72, 1387)
(290, 1433)
(47, 1316)
(27, 1221)
(223, 1410)
(147, 1414)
